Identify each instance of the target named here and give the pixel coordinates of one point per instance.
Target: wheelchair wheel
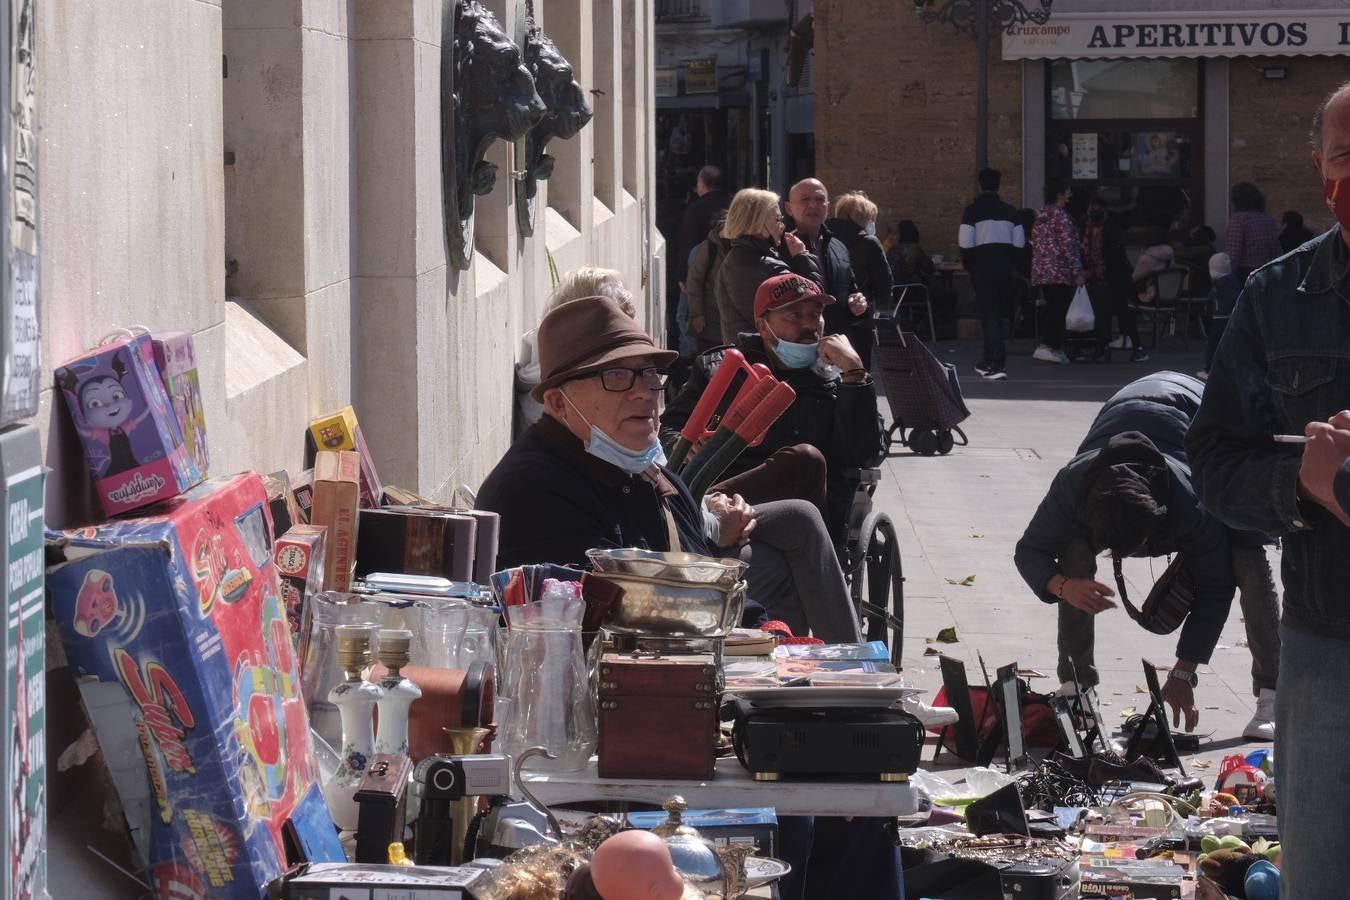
(877, 584)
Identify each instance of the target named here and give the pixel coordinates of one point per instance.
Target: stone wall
(895, 114)
(266, 174)
(1268, 131)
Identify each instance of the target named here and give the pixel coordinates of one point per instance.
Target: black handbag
(1168, 604)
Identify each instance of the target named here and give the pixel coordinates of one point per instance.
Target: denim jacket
(1284, 361)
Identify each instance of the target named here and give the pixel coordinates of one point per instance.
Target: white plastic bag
(1080, 316)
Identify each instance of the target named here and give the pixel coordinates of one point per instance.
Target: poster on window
(1084, 156)
(1156, 155)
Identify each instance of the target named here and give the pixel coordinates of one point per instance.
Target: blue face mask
(795, 356)
(604, 447)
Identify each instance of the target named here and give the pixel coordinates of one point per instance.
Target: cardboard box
(174, 627)
(340, 431)
(133, 445)
(299, 557)
(411, 541)
(24, 824)
(302, 492)
(176, 359)
(337, 503)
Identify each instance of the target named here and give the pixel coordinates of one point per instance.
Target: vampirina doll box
(133, 442)
(174, 627)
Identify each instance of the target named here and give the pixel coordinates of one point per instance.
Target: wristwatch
(1183, 675)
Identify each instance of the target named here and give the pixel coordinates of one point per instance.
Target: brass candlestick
(463, 742)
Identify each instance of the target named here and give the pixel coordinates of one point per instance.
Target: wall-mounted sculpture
(486, 94)
(568, 112)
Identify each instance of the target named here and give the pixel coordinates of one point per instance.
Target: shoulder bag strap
(1120, 586)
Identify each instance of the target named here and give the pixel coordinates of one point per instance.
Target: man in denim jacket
(1284, 367)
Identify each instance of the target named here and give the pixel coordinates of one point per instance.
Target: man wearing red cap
(830, 430)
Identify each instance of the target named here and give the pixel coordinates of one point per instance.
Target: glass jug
(319, 669)
(546, 697)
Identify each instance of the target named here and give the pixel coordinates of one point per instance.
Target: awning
(1103, 35)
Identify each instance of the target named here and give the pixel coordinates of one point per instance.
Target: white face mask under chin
(605, 448)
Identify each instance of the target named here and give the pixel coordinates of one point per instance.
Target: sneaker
(1139, 355)
(994, 375)
(929, 716)
(1060, 357)
(983, 369)
(1044, 354)
(1121, 343)
(1262, 725)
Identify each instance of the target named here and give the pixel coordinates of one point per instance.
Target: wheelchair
(869, 554)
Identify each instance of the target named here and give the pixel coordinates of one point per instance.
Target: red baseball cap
(785, 290)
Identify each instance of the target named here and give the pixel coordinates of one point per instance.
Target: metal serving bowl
(671, 594)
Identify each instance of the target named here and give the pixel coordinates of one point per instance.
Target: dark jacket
(556, 501)
(700, 286)
(836, 276)
(1160, 407)
(990, 237)
(694, 225)
(1282, 364)
(870, 269)
(746, 265)
(840, 420)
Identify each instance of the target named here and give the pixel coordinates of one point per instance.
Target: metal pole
(982, 13)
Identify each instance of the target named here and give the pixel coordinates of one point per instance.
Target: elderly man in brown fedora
(590, 473)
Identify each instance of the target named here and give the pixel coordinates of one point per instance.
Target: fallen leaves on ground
(977, 536)
(945, 636)
(1140, 689)
(1127, 712)
(962, 582)
(1201, 763)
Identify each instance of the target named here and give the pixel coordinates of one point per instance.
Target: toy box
(132, 442)
(174, 627)
(299, 556)
(302, 493)
(336, 505)
(176, 360)
(412, 541)
(340, 431)
(24, 823)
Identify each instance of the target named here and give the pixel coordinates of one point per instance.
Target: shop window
(1124, 89)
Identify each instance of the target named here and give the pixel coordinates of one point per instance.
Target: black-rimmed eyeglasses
(618, 379)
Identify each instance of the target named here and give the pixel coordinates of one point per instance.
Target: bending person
(1129, 491)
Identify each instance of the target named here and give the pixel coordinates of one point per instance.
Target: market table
(731, 787)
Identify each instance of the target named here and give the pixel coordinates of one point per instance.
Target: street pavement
(961, 515)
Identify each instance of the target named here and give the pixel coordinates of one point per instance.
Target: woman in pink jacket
(1056, 267)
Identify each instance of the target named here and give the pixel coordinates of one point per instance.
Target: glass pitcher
(319, 669)
(546, 697)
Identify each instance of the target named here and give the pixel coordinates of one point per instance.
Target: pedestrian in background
(855, 224)
(990, 238)
(909, 262)
(1108, 271)
(1056, 267)
(1293, 233)
(1223, 296)
(808, 207)
(1156, 257)
(1253, 237)
(704, 329)
(760, 248)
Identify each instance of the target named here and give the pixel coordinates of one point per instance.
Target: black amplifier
(857, 744)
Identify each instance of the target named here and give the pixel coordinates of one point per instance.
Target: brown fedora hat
(584, 336)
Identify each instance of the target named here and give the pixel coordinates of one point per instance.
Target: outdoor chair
(1169, 284)
(911, 297)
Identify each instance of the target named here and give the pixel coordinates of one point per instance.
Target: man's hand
(837, 351)
(696, 324)
(857, 303)
(1086, 594)
(794, 244)
(735, 518)
(1181, 697)
(1328, 446)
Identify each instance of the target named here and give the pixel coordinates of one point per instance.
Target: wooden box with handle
(658, 716)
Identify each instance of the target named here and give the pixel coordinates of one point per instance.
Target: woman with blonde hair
(855, 224)
(759, 249)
